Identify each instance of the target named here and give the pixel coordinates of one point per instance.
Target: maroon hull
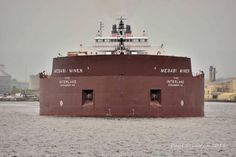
(122, 85)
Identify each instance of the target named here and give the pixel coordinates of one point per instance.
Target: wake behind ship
(121, 79)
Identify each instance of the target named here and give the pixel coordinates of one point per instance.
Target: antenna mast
(101, 26)
(121, 30)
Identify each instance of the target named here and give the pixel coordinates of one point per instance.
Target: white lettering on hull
(67, 83)
(63, 71)
(168, 70)
(175, 82)
(174, 71)
(78, 70)
(59, 71)
(186, 71)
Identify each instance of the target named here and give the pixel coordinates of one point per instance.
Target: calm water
(24, 133)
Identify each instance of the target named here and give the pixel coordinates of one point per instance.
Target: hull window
(87, 98)
(155, 98)
(155, 95)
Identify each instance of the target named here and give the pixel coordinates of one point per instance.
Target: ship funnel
(128, 29)
(114, 31)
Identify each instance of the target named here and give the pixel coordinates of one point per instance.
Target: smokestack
(212, 73)
(114, 31)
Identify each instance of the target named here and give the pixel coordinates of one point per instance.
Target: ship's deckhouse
(121, 40)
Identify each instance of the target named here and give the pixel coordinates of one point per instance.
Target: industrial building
(19, 85)
(5, 80)
(221, 89)
(34, 82)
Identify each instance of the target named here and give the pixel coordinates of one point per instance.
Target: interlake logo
(67, 83)
(175, 82)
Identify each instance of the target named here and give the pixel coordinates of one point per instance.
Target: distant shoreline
(230, 101)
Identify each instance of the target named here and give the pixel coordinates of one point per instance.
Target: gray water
(24, 133)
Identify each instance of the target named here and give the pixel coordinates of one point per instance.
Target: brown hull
(122, 94)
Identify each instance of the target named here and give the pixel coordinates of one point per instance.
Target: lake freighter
(120, 79)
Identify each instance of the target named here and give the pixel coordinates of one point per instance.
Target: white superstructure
(121, 41)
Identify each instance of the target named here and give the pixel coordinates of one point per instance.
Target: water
(24, 133)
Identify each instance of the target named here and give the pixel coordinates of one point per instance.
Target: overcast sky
(32, 32)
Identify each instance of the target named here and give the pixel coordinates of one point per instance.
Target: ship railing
(126, 44)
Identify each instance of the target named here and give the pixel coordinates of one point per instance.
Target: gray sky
(32, 32)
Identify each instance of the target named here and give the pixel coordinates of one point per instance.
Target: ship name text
(174, 70)
(71, 70)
